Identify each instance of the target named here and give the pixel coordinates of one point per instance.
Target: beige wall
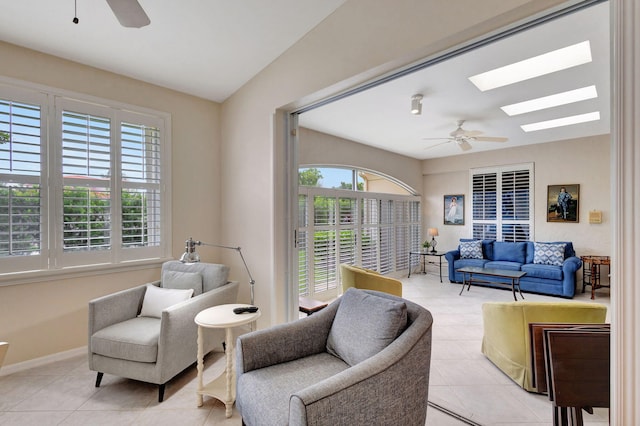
(579, 161)
(50, 316)
(316, 148)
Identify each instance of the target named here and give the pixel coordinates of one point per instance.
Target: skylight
(559, 122)
(558, 99)
(546, 63)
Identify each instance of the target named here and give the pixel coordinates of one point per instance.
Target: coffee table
(469, 271)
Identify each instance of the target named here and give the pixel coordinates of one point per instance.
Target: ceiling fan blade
(437, 139)
(129, 13)
(464, 145)
(471, 133)
(489, 139)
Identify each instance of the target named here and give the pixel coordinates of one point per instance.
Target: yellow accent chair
(507, 342)
(367, 279)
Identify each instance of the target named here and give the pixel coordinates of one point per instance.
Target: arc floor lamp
(191, 256)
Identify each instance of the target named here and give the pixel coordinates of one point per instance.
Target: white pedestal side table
(224, 387)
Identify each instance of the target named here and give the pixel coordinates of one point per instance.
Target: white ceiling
(207, 48)
(381, 116)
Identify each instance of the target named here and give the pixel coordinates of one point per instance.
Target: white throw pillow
(157, 300)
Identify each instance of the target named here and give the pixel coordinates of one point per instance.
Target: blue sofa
(540, 278)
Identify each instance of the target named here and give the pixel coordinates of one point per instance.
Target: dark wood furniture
(424, 255)
(309, 306)
(469, 271)
(591, 272)
(571, 364)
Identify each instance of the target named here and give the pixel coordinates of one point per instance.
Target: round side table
(224, 387)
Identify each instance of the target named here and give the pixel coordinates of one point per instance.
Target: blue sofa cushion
(510, 252)
(542, 271)
(461, 263)
(548, 253)
(471, 249)
(503, 264)
(354, 340)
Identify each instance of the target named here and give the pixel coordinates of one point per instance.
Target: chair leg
(99, 379)
(160, 392)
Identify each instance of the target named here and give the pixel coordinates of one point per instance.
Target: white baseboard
(38, 362)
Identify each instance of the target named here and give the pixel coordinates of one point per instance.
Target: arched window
(337, 224)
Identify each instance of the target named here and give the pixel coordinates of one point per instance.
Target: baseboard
(38, 362)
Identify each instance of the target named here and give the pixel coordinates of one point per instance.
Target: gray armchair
(331, 368)
(157, 345)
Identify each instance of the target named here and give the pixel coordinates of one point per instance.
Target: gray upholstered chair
(142, 333)
(363, 360)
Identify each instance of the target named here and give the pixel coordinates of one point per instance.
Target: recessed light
(546, 63)
(559, 122)
(557, 99)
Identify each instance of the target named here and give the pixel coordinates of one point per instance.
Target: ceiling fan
(463, 138)
(129, 13)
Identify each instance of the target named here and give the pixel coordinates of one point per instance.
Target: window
(335, 226)
(81, 183)
(501, 203)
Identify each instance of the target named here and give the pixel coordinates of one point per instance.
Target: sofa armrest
(451, 257)
(178, 330)
(284, 342)
(571, 265)
(116, 307)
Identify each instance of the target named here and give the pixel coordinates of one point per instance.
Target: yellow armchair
(506, 341)
(366, 279)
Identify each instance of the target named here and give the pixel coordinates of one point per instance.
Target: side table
(424, 254)
(591, 272)
(224, 387)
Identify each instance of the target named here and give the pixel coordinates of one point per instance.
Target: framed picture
(454, 209)
(563, 203)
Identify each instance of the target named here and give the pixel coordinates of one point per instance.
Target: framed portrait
(454, 209)
(563, 203)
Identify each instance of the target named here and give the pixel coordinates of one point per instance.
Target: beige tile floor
(462, 380)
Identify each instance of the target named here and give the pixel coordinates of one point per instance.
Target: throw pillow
(364, 325)
(158, 299)
(471, 249)
(548, 253)
(182, 280)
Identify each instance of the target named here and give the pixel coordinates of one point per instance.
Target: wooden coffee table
(469, 271)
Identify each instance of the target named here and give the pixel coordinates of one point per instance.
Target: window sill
(28, 277)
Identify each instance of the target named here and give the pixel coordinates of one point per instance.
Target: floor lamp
(191, 256)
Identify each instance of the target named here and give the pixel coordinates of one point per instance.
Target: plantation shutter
(141, 192)
(324, 243)
(516, 205)
(20, 184)
(369, 233)
(86, 171)
(303, 245)
(501, 203)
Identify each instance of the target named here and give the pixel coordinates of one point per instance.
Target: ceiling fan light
(416, 104)
(559, 122)
(550, 101)
(536, 66)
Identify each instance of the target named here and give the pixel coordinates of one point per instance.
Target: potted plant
(426, 244)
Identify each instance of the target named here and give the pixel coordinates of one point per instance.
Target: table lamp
(433, 233)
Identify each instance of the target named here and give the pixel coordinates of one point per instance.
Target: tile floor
(462, 380)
